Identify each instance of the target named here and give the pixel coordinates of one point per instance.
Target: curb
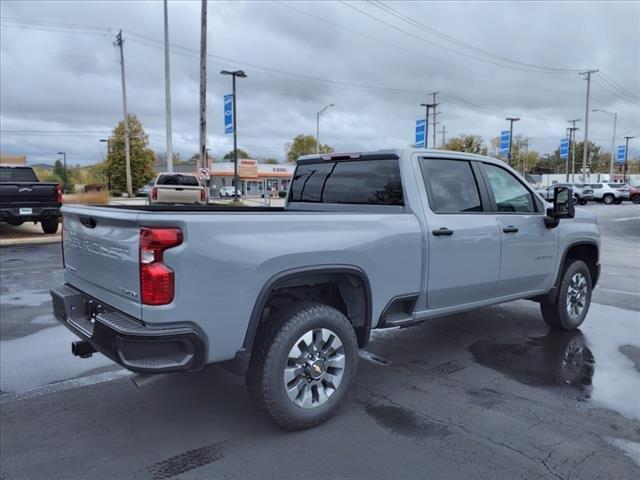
(29, 241)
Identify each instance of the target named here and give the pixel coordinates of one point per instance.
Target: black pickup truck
(24, 198)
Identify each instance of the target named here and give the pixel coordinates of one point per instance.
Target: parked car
(623, 188)
(24, 198)
(634, 194)
(581, 194)
(365, 240)
(178, 188)
(609, 194)
(229, 192)
(144, 190)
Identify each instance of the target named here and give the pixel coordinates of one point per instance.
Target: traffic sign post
(421, 133)
(505, 141)
(228, 113)
(564, 148)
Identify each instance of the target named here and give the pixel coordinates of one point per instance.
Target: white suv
(609, 192)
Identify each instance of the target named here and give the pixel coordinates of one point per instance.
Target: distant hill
(43, 166)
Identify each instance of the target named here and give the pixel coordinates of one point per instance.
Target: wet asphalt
(486, 394)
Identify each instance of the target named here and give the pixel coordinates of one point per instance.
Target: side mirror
(563, 206)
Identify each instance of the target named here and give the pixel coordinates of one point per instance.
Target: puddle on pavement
(406, 423)
(597, 364)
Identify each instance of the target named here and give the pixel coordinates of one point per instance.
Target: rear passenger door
(463, 240)
(529, 248)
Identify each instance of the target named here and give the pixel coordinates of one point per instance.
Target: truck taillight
(58, 193)
(154, 193)
(156, 279)
(203, 195)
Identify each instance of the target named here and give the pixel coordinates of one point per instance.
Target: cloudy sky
(376, 61)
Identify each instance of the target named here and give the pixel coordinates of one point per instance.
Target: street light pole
(626, 153)
(234, 74)
(167, 89)
(108, 141)
(572, 141)
(64, 156)
(318, 115)
(613, 138)
(511, 120)
(585, 147)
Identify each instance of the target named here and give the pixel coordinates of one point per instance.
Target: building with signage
(9, 159)
(254, 177)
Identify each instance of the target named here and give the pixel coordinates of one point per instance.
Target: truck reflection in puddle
(558, 359)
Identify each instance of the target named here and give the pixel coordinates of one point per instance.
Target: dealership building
(254, 178)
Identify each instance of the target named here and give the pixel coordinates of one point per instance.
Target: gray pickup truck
(367, 240)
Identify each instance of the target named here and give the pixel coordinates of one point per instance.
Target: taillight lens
(154, 193)
(58, 193)
(203, 195)
(157, 285)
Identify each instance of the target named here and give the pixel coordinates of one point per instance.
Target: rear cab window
(12, 174)
(451, 186)
(178, 179)
(348, 181)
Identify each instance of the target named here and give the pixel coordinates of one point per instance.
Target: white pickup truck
(177, 188)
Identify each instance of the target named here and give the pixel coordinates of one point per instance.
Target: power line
(617, 95)
(412, 21)
(619, 87)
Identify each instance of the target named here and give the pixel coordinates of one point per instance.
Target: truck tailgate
(101, 254)
(22, 193)
(178, 194)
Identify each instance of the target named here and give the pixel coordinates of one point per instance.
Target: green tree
(597, 162)
(466, 143)
(142, 157)
(241, 154)
(271, 161)
(304, 145)
(58, 169)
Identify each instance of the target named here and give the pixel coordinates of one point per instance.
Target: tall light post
(626, 154)
(318, 115)
(234, 74)
(511, 120)
(64, 156)
(108, 142)
(613, 138)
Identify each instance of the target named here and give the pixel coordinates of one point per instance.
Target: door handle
(443, 231)
(510, 229)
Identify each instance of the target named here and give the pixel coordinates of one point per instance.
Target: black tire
(582, 202)
(608, 199)
(555, 313)
(617, 201)
(276, 338)
(49, 225)
(636, 199)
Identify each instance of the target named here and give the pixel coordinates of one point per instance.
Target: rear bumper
(37, 213)
(125, 340)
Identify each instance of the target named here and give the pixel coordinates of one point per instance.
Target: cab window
(510, 195)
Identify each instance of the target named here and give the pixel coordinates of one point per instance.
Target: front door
(529, 248)
(463, 241)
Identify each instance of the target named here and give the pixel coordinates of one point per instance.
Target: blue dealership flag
(228, 113)
(421, 133)
(620, 154)
(505, 140)
(564, 148)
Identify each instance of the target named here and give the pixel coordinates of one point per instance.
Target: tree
(304, 145)
(58, 169)
(142, 157)
(596, 162)
(466, 143)
(241, 154)
(271, 161)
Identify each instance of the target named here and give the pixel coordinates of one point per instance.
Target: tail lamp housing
(203, 195)
(58, 193)
(154, 193)
(157, 282)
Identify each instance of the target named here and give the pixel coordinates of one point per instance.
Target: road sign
(620, 154)
(228, 113)
(564, 148)
(421, 133)
(505, 139)
(203, 173)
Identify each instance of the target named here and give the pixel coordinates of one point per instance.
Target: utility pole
(443, 132)
(167, 88)
(572, 141)
(127, 154)
(511, 120)
(108, 142)
(626, 154)
(613, 138)
(203, 87)
(318, 115)
(234, 74)
(434, 105)
(426, 106)
(585, 148)
(569, 132)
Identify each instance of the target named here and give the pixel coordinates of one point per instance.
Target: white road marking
(625, 292)
(62, 386)
(624, 219)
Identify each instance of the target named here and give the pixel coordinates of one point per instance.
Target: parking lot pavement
(486, 394)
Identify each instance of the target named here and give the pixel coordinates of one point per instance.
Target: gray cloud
(65, 79)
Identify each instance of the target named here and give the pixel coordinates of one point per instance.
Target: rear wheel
(304, 360)
(636, 199)
(571, 306)
(49, 225)
(608, 199)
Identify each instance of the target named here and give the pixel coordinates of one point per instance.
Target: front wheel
(304, 360)
(571, 306)
(49, 225)
(608, 199)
